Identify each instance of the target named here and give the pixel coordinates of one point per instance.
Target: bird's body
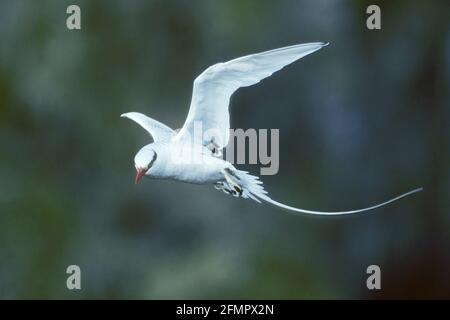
(177, 161)
(188, 157)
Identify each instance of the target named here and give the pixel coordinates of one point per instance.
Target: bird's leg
(218, 185)
(234, 187)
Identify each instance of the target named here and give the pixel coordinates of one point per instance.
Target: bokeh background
(362, 120)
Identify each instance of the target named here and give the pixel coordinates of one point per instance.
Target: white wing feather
(158, 131)
(214, 87)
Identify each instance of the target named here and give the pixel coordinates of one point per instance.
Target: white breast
(179, 161)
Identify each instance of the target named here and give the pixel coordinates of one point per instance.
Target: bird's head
(143, 161)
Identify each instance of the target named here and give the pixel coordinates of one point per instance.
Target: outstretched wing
(213, 88)
(158, 131)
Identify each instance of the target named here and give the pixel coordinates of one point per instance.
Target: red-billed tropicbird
(182, 157)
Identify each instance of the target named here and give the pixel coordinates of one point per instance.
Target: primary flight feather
(183, 157)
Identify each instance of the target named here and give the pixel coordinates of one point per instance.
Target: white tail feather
(252, 188)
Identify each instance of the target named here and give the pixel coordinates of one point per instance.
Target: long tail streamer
(251, 187)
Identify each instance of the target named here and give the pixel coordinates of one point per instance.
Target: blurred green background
(362, 120)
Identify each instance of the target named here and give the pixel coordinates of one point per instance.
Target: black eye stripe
(153, 160)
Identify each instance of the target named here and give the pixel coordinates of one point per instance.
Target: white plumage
(184, 157)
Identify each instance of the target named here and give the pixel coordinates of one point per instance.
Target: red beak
(139, 174)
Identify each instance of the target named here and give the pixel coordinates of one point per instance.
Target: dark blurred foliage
(362, 120)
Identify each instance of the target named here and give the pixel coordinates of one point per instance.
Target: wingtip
(324, 44)
(124, 115)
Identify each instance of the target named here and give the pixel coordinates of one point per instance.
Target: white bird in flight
(163, 159)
